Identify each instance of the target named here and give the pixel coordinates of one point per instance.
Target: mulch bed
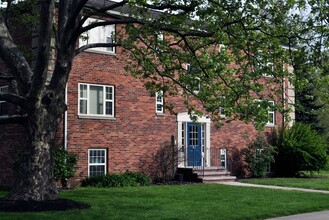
(40, 206)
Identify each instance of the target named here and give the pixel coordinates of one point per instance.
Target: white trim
(184, 118)
(97, 164)
(159, 102)
(188, 69)
(4, 89)
(271, 111)
(223, 152)
(105, 100)
(99, 34)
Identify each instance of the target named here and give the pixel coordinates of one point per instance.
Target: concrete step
(214, 174)
(218, 179)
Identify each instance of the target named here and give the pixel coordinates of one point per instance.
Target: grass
(310, 181)
(183, 202)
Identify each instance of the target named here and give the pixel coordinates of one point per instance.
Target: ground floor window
(223, 158)
(3, 104)
(96, 162)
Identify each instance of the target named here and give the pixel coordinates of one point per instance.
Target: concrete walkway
(322, 215)
(274, 187)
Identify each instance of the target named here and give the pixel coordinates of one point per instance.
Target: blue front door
(193, 144)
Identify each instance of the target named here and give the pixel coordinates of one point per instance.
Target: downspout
(65, 121)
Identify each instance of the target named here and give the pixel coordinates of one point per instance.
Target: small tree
(299, 149)
(64, 165)
(165, 163)
(258, 156)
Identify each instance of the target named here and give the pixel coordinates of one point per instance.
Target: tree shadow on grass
(40, 206)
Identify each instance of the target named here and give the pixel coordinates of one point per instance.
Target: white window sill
(270, 125)
(100, 52)
(160, 114)
(97, 117)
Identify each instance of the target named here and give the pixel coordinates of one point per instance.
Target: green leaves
(258, 156)
(64, 164)
(229, 46)
(299, 149)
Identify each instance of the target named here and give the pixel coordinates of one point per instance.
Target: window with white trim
(3, 104)
(271, 114)
(195, 80)
(222, 112)
(222, 108)
(159, 41)
(159, 102)
(101, 34)
(223, 158)
(96, 100)
(263, 64)
(96, 162)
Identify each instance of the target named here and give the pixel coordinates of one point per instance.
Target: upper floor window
(159, 41)
(271, 114)
(96, 100)
(159, 102)
(194, 83)
(264, 64)
(3, 104)
(101, 34)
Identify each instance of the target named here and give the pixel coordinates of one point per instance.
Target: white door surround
(182, 120)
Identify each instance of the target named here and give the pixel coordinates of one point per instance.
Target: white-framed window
(222, 108)
(264, 64)
(223, 158)
(271, 114)
(101, 34)
(159, 102)
(97, 162)
(222, 112)
(159, 41)
(4, 104)
(195, 80)
(96, 100)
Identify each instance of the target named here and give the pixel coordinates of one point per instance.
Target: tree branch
(14, 99)
(6, 77)
(176, 7)
(14, 59)
(88, 46)
(43, 53)
(76, 35)
(13, 119)
(72, 22)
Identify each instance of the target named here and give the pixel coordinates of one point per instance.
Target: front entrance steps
(209, 175)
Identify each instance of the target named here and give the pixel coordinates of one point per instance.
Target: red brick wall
(136, 134)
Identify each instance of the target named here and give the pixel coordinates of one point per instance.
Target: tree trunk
(35, 178)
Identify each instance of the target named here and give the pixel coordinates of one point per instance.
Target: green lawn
(183, 202)
(315, 181)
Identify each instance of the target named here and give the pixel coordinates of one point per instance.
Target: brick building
(113, 124)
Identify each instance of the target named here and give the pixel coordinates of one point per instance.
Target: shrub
(117, 180)
(64, 165)
(258, 156)
(299, 149)
(165, 163)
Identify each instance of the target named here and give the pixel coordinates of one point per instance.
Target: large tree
(312, 69)
(251, 31)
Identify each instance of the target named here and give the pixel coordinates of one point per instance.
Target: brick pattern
(133, 138)
(136, 133)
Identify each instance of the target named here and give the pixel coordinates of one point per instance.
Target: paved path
(274, 187)
(323, 215)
